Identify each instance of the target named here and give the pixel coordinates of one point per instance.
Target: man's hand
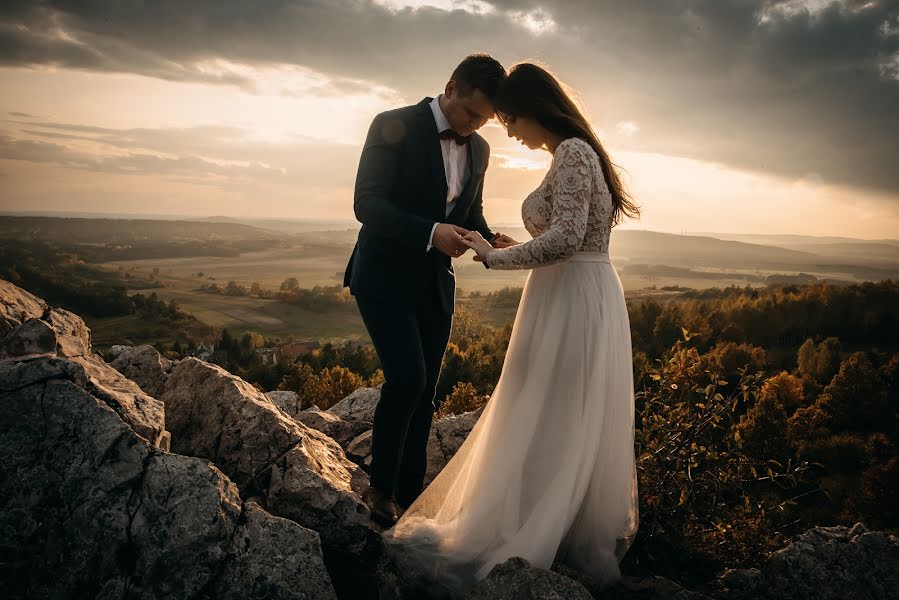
(501, 240)
(448, 239)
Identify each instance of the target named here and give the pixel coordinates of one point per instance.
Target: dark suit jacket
(400, 194)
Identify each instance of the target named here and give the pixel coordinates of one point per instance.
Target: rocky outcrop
(447, 435)
(359, 449)
(341, 431)
(73, 338)
(516, 579)
(34, 337)
(57, 332)
(288, 401)
(95, 505)
(301, 473)
(62, 340)
(823, 563)
(94, 510)
(263, 541)
(144, 366)
(641, 588)
(17, 306)
(358, 406)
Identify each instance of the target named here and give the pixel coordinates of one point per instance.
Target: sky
(773, 116)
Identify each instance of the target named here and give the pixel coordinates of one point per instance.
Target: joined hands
(454, 241)
(482, 247)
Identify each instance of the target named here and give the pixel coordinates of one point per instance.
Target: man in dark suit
(418, 191)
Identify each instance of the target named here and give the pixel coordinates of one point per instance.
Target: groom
(418, 191)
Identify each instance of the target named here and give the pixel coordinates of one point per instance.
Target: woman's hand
(503, 241)
(474, 240)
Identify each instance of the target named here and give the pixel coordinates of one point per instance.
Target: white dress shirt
(455, 163)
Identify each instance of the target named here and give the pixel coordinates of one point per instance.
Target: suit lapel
(431, 141)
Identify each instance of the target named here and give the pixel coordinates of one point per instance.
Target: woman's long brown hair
(532, 91)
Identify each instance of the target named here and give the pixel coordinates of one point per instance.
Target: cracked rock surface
(95, 511)
(144, 366)
(823, 563)
(516, 579)
(358, 406)
(302, 473)
(447, 435)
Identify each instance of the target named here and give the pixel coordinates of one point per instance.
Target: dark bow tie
(449, 134)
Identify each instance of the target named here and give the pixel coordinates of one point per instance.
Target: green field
(312, 264)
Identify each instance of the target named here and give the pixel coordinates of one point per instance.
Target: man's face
(466, 114)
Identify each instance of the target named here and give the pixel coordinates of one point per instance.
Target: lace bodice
(570, 211)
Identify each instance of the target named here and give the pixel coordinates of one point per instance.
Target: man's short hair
(478, 71)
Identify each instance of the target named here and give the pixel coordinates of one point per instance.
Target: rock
(264, 541)
(92, 510)
(447, 435)
(302, 473)
(32, 338)
(516, 579)
(342, 432)
(646, 588)
(822, 563)
(144, 414)
(17, 306)
(289, 402)
(116, 349)
(358, 406)
(73, 338)
(144, 366)
(360, 448)
(21, 335)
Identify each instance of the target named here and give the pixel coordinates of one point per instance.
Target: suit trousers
(410, 342)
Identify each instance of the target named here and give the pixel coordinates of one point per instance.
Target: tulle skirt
(548, 470)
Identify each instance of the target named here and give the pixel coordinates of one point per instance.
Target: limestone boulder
(34, 337)
(301, 473)
(358, 406)
(17, 306)
(447, 435)
(341, 431)
(144, 366)
(823, 563)
(517, 579)
(288, 401)
(94, 510)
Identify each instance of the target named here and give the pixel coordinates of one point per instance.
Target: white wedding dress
(548, 470)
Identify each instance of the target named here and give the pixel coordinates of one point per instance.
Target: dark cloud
(772, 85)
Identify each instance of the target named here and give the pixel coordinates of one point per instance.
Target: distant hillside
(117, 231)
(832, 248)
(291, 226)
(103, 240)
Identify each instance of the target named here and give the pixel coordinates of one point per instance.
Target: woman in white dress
(548, 471)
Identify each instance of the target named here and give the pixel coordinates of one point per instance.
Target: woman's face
(524, 129)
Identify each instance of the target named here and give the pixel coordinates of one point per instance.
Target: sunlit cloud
(627, 128)
(538, 21)
(472, 6)
(507, 160)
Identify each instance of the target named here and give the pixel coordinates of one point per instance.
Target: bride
(548, 472)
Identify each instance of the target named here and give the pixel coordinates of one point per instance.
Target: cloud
(786, 87)
(210, 155)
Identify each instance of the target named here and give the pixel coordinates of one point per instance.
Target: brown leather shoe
(382, 506)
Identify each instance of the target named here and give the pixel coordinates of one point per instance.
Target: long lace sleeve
(570, 184)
